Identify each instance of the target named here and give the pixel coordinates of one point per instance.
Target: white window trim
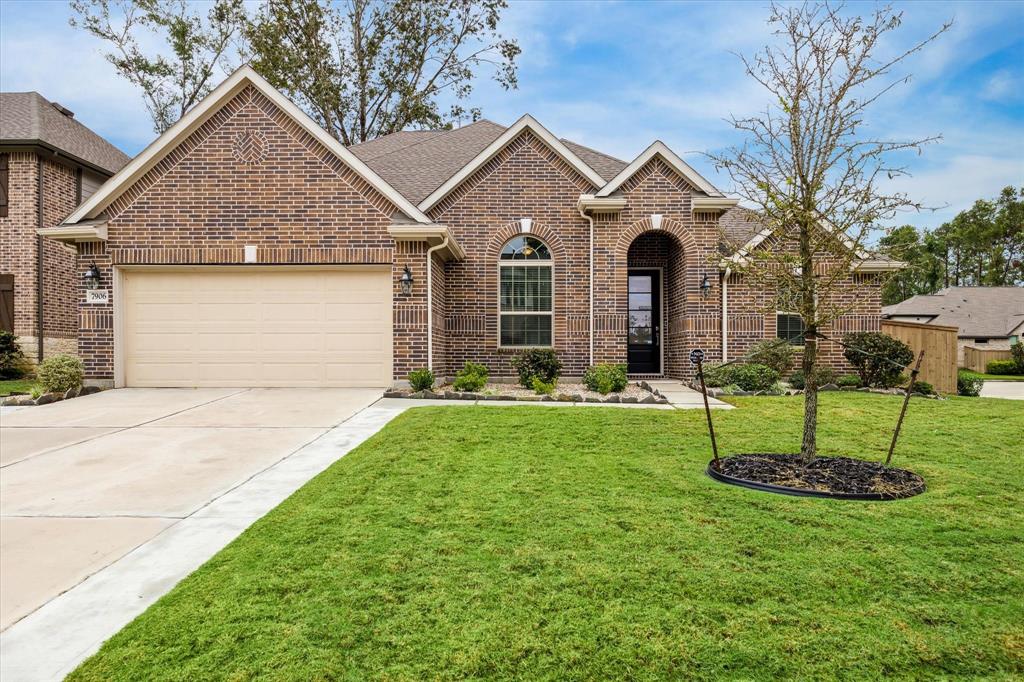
(550, 263)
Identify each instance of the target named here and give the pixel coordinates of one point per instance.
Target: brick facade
(20, 249)
(250, 175)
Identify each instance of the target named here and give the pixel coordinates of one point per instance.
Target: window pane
(525, 248)
(640, 284)
(525, 330)
(790, 328)
(640, 335)
(639, 301)
(639, 318)
(525, 289)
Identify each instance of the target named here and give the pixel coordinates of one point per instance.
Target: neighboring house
(988, 318)
(246, 247)
(49, 163)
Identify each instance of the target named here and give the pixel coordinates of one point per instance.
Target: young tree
(366, 68)
(198, 45)
(815, 180)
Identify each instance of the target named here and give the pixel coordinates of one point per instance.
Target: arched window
(525, 297)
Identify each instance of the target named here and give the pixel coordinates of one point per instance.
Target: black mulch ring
(839, 477)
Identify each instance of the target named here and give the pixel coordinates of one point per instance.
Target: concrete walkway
(1010, 390)
(683, 397)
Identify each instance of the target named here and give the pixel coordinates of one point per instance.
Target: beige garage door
(257, 327)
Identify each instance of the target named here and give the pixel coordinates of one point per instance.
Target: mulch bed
(841, 477)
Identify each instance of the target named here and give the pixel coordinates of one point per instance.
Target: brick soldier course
(245, 167)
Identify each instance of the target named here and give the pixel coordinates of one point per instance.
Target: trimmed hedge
(421, 379)
(968, 384)
(472, 377)
(878, 358)
(542, 363)
(605, 378)
(1004, 367)
(751, 377)
(59, 373)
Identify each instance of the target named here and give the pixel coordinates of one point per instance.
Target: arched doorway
(655, 305)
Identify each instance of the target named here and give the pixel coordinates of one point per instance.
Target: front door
(644, 340)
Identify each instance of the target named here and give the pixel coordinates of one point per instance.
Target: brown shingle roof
(417, 162)
(739, 225)
(976, 311)
(30, 118)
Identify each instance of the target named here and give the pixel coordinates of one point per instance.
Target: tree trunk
(809, 446)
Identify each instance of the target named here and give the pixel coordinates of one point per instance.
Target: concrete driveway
(85, 481)
(1010, 390)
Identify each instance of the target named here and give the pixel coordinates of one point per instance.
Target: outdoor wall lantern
(406, 281)
(705, 287)
(92, 277)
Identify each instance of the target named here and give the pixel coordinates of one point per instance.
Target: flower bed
(564, 392)
(25, 400)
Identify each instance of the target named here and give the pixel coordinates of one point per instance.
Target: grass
(9, 386)
(994, 377)
(587, 543)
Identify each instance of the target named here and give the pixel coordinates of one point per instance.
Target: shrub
(1003, 367)
(605, 379)
(775, 353)
(753, 377)
(877, 357)
(472, 377)
(1017, 351)
(13, 363)
(826, 375)
(968, 384)
(542, 363)
(541, 387)
(421, 379)
(716, 375)
(58, 373)
(776, 389)
(848, 380)
(923, 387)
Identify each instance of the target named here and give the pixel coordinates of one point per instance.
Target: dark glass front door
(644, 340)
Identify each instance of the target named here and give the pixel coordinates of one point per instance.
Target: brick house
(49, 163)
(247, 247)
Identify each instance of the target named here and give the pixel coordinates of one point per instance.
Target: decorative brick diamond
(250, 147)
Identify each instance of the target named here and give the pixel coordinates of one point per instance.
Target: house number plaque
(97, 296)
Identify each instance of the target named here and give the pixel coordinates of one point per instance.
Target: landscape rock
(629, 399)
(829, 387)
(396, 394)
(591, 399)
(416, 394)
(47, 398)
(89, 390)
(577, 397)
(742, 393)
(849, 388)
(564, 398)
(72, 392)
(649, 399)
(613, 398)
(531, 398)
(25, 401)
(864, 389)
(10, 401)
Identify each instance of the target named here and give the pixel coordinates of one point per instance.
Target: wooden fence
(977, 358)
(939, 346)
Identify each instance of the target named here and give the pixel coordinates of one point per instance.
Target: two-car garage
(254, 326)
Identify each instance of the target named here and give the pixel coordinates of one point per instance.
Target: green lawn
(996, 377)
(555, 544)
(9, 386)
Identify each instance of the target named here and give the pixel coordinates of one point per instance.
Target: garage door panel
(266, 328)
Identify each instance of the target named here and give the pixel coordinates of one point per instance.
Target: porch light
(406, 281)
(705, 287)
(92, 277)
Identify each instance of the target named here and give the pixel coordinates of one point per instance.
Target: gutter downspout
(430, 301)
(39, 259)
(590, 279)
(725, 315)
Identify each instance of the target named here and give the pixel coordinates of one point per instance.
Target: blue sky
(618, 75)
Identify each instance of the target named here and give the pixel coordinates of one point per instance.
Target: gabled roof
(976, 311)
(28, 118)
(527, 122)
(418, 162)
(199, 114)
(660, 150)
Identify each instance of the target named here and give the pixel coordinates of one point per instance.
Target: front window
(525, 297)
(790, 326)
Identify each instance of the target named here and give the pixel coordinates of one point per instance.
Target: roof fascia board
(659, 148)
(200, 113)
(588, 202)
(72, 234)
(503, 140)
(433, 234)
(56, 154)
(722, 204)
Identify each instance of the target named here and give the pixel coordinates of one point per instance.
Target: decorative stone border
(718, 392)
(653, 397)
(24, 400)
